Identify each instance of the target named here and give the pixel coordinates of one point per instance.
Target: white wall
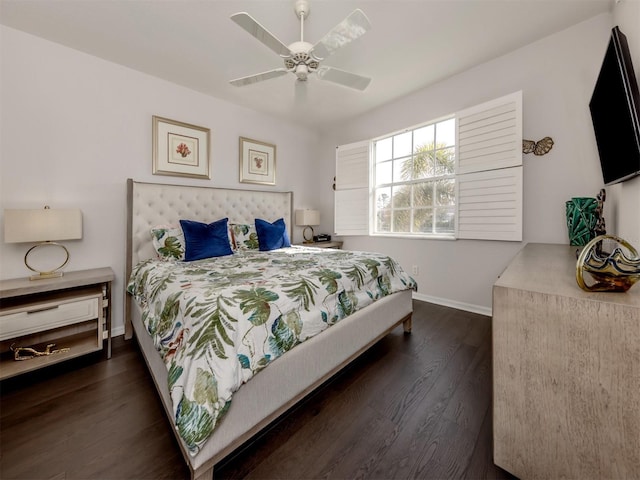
(75, 127)
(556, 75)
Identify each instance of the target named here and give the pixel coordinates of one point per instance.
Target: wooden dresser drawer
(48, 315)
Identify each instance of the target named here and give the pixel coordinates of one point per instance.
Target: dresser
(566, 372)
(71, 314)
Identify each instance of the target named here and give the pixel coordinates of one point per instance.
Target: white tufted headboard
(151, 204)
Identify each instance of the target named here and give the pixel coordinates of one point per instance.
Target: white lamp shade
(307, 217)
(42, 225)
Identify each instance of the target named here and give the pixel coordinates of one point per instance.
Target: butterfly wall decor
(540, 147)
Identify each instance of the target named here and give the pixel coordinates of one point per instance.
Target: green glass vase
(581, 220)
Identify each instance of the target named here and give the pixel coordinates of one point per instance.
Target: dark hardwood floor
(411, 407)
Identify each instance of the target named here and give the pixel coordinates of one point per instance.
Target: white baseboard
(467, 307)
(117, 331)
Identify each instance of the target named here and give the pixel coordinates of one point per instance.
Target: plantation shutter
(352, 189)
(489, 170)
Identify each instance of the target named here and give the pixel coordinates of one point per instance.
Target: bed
(284, 382)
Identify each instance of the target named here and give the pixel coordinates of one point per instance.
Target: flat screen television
(615, 111)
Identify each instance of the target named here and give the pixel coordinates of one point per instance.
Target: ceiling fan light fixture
(302, 72)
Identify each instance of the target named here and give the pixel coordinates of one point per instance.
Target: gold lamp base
(55, 273)
(304, 234)
(45, 275)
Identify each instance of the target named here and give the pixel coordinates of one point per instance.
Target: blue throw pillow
(205, 241)
(272, 236)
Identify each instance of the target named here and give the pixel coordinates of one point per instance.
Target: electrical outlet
(414, 270)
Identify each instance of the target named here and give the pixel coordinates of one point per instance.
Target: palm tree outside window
(414, 181)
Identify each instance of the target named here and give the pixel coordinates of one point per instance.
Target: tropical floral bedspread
(217, 322)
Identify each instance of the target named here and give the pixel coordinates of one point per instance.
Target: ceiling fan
(302, 58)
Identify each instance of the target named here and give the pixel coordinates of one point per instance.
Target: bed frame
(287, 380)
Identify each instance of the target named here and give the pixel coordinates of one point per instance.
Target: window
(414, 178)
(460, 177)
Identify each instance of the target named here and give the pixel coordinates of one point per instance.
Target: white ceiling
(193, 43)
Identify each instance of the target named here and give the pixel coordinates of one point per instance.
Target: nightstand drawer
(48, 315)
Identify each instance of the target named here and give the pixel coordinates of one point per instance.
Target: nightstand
(73, 312)
(330, 244)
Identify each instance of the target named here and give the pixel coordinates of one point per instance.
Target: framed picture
(180, 149)
(257, 162)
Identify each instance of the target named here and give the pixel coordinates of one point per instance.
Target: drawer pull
(42, 309)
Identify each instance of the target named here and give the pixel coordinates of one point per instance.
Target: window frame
(373, 222)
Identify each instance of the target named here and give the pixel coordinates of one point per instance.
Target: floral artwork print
(234, 315)
(183, 150)
(259, 163)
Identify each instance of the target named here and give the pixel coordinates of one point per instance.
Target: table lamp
(46, 226)
(306, 218)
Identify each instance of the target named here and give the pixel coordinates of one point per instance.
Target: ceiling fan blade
(352, 27)
(258, 77)
(248, 23)
(341, 77)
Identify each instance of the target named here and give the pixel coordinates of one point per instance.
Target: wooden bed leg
(406, 324)
(203, 475)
